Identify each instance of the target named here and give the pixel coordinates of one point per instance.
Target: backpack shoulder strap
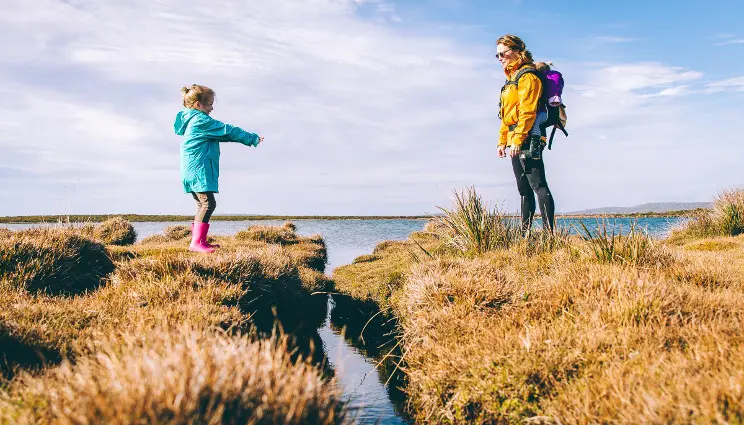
(515, 83)
(522, 72)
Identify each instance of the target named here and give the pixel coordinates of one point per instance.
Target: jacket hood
(182, 120)
(513, 67)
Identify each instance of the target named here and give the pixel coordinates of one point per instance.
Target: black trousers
(530, 184)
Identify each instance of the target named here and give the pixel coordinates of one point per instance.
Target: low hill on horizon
(653, 207)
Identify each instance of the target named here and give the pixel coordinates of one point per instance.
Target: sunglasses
(502, 54)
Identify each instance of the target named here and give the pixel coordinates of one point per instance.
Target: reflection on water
(361, 378)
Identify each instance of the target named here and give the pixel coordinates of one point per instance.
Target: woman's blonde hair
(517, 45)
(196, 93)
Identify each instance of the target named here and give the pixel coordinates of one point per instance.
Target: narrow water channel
(361, 382)
(373, 400)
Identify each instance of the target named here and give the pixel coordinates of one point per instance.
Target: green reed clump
(728, 212)
(540, 241)
(635, 248)
(470, 227)
(726, 218)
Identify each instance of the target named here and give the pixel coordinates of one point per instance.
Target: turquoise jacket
(200, 149)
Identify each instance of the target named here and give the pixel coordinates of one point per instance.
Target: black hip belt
(512, 127)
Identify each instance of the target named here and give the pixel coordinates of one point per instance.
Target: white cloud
(729, 39)
(731, 84)
(359, 117)
(639, 76)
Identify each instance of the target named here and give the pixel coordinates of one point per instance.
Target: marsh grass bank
(152, 333)
(593, 327)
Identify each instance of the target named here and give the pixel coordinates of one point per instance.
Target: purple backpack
(552, 95)
(553, 87)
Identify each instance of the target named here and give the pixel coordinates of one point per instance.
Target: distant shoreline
(95, 218)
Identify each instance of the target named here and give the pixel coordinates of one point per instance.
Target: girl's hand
(514, 151)
(502, 151)
(260, 139)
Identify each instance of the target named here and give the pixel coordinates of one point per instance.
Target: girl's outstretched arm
(224, 132)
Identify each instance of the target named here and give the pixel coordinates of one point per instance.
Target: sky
(368, 107)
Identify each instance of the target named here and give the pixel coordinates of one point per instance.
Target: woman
(522, 110)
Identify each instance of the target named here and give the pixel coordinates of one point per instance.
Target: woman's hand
(502, 151)
(260, 139)
(514, 151)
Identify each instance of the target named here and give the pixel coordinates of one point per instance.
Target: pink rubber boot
(198, 236)
(215, 246)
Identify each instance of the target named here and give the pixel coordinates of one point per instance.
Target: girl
(200, 156)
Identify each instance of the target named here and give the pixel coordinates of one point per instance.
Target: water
(348, 239)
(351, 238)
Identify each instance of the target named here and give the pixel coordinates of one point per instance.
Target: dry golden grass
(182, 375)
(170, 234)
(166, 282)
(647, 334)
(115, 231)
(155, 289)
(53, 260)
(378, 276)
(177, 232)
(284, 235)
(726, 218)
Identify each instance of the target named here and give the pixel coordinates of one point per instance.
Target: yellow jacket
(519, 106)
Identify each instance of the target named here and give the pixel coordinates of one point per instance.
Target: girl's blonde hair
(543, 66)
(517, 45)
(196, 93)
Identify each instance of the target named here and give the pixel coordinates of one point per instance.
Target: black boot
(547, 209)
(528, 212)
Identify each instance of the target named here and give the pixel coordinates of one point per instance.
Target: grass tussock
(186, 375)
(471, 227)
(171, 233)
(634, 248)
(726, 218)
(53, 260)
(273, 280)
(712, 245)
(284, 235)
(366, 258)
(177, 232)
(115, 231)
(378, 276)
(309, 252)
